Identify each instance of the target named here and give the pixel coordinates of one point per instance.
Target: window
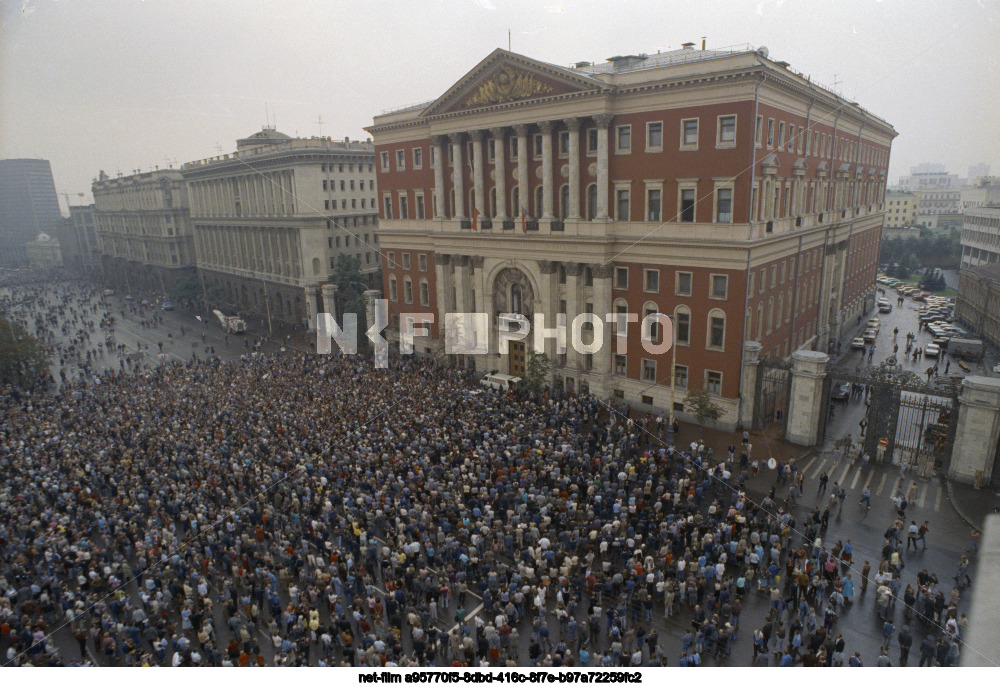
(418, 159)
(652, 281)
(564, 143)
(388, 207)
(653, 203)
(622, 204)
(537, 139)
(561, 274)
(491, 150)
(624, 139)
(425, 294)
(770, 133)
(619, 325)
(592, 141)
(681, 376)
(682, 325)
(385, 161)
(420, 207)
(648, 370)
(758, 130)
(513, 147)
(620, 365)
(713, 382)
(404, 207)
(407, 290)
(654, 136)
(400, 160)
(727, 131)
(716, 330)
(720, 286)
(724, 205)
(621, 277)
(687, 204)
(683, 285)
(652, 333)
(781, 135)
(588, 278)
(406, 261)
(591, 201)
(689, 134)
(392, 289)
(422, 262)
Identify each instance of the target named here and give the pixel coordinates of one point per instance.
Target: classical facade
(143, 229)
(718, 187)
(271, 218)
(978, 306)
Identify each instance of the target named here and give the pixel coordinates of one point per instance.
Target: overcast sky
(121, 85)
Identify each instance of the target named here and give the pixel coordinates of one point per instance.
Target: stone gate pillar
(806, 402)
(978, 430)
(329, 292)
(748, 384)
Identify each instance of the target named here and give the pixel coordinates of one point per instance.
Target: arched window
(393, 294)
(564, 202)
(407, 290)
(716, 336)
(651, 329)
(538, 201)
(425, 294)
(316, 266)
(592, 201)
(770, 314)
(788, 307)
(781, 310)
(619, 326)
(515, 298)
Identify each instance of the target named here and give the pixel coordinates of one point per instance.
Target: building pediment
(505, 77)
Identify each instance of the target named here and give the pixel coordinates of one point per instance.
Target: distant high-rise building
(976, 171)
(28, 206)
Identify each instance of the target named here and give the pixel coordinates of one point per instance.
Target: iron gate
(774, 382)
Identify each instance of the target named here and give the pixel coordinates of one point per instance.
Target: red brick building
(717, 186)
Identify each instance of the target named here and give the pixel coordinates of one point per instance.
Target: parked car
(932, 350)
(869, 335)
(167, 305)
(857, 342)
(841, 392)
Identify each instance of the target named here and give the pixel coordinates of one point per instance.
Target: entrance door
(516, 350)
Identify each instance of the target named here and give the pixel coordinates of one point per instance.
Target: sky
(125, 85)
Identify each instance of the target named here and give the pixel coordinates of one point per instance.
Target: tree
(536, 372)
(23, 359)
(186, 287)
(350, 289)
(703, 406)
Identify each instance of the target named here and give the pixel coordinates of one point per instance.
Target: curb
(961, 514)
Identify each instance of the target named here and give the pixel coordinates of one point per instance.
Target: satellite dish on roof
(762, 51)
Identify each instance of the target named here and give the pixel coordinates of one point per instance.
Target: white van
(501, 382)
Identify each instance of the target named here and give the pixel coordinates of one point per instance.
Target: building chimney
(702, 42)
(687, 46)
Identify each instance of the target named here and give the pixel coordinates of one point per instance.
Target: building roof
(631, 63)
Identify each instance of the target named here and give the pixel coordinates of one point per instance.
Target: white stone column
(547, 175)
(548, 302)
(458, 173)
(523, 179)
(442, 274)
(440, 161)
(603, 121)
(573, 308)
(479, 199)
(602, 307)
(330, 299)
(461, 281)
(806, 397)
(310, 297)
(573, 124)
(748, 384)
(978, 430)
(500, 172)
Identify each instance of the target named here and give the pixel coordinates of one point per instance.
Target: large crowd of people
(299, 509)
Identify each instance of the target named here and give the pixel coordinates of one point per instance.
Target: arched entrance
(513, 294)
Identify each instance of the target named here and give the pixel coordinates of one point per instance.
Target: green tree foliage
(702, 405)
(350, 289)
(23, 359)
(933, 248)
(536, 372)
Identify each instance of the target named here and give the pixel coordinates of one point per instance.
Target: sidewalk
(973, 505)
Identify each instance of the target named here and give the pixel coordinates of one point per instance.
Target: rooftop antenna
(267, 118)
(218, 148)
(320, 122)
(836, 82)
(508, 41)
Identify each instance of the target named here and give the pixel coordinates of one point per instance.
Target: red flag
(475, 219)
(524, 220)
